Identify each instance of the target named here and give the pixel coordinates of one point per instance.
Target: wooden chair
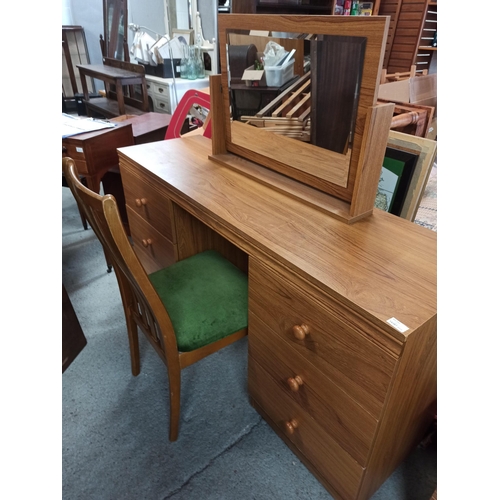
(187, 311)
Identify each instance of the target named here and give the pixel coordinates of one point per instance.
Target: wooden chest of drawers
(330, 380)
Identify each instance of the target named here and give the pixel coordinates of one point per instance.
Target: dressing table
(342, 297)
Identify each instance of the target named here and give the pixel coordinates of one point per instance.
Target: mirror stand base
(328, 204)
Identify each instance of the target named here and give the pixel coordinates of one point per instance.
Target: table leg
(119, 98)
(85, 89)
(145, 101)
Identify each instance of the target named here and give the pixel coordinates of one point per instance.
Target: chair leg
(108, 260)
(133, 340)
(174, 380)
(84, 220)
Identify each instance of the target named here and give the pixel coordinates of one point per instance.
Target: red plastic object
(189, 99)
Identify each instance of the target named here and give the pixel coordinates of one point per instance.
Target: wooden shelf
(424, 47)
(109, 107)
(313, 9)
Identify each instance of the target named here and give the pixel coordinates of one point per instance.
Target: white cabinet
(162, 91)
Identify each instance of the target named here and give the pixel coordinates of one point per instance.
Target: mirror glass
(301, 86)
(115, 22)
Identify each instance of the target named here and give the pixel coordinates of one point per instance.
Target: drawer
(161, 105)
(149, 202)
(162, 91)
(77, 154)
(154, 250)
(330, 460)
(343, 353)
(339, 415)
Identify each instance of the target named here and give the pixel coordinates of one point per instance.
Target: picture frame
(185, 36)
(426, 149)
(395, 178)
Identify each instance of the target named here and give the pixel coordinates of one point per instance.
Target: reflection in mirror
(304, 87)
(115, 21)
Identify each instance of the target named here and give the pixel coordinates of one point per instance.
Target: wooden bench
(119, 77)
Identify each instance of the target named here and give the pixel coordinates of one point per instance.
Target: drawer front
(162, 91)
(161, 105)
(358, 366)
(149, 202)
(331, 461)
(77, 154)
(339, 415)
(154, 250)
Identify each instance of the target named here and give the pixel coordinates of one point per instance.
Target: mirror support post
(217, 109)
(375, 137)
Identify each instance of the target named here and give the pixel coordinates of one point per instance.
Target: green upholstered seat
(206, 297)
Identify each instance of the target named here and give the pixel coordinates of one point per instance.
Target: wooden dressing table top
(384, 266)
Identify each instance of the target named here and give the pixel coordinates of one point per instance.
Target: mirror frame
(341, 182)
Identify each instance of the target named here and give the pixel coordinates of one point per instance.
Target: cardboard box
(415, 90)
(418, 90)
(254, 77)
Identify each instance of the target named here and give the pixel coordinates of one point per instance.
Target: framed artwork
(426, 149)
(395, 179)
(186, 37)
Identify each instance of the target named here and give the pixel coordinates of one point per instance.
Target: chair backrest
(189, 99)
(139, 297)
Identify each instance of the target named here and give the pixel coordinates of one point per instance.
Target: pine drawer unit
(151, 222)
(348, 392)
(321, 377)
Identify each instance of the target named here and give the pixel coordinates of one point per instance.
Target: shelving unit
(306, 7)
(281, 7)
(410, 20)
(426, 48)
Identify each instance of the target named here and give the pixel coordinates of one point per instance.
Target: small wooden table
(95, 152)
(149, 127)
(120, 74)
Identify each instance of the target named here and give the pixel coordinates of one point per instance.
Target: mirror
(115, 23)
(318, 112)
(301, 98)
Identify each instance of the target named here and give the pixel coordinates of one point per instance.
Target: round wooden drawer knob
(291, 426)
(147, 242)
(294, 383)
(139, 202)
(300, 331)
